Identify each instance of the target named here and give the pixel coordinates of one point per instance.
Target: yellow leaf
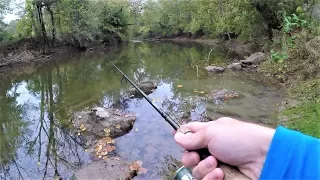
(106, 130)
(82, 127)
(98, 148)
(118, 126)
(105, 157)
(201, 92)
(107, 140)
(179, 86)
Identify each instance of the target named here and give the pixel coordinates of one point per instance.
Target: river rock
(103, 122)
(255, 58)
(216, 69)
(147, 87)
(113, 168)
(223, 95)
(235, 66)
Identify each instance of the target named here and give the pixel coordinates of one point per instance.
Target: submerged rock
(103, 122)
(215, 69)
(255, 58)
(113, 168)
(223, 95)
(147, 87)
(235, 66)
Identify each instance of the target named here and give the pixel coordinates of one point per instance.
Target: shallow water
(36, 103)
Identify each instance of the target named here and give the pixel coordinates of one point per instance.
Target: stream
(36, 103)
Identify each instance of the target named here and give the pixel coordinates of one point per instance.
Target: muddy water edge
(37, 101)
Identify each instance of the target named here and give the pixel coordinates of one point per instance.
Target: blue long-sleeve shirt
(293, 156)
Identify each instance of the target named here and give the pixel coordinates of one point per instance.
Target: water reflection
(35, 106)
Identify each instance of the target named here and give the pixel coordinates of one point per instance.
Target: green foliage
(278, 56)
(305, 118)
(292, 25)
(82, 21)
(294, 22)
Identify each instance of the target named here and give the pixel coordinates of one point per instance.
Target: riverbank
(30, 52)
(298, 74)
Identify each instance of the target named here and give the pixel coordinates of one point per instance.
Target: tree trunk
(43, 29)
(53, 26)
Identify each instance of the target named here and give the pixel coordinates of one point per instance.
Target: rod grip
(230, 172)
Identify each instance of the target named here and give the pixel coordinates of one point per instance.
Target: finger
(190, 159)
(173, 132)
(216, 174)
(197, 126)
(191, 141)
(204, 167)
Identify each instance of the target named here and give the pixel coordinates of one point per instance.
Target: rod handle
(230, 172)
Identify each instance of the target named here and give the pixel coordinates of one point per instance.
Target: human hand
(233, 142)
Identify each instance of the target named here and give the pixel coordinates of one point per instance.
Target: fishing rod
(183, 173)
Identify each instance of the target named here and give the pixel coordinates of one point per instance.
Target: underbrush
(294, 62)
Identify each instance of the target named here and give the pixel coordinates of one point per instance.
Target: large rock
(103, 122)
(222, 95)
(255, 58)
(235, 66)
(147, 87)
(113, 168)
(215, 69)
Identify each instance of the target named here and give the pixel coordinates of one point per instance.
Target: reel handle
(230, 172)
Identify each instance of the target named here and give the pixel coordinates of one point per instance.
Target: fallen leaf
(107, 140)
(98, 148)
(82, 127)
(105, 157)
(179, 86)
(142, 170)
(134, 166)
(99, 156)
(118, 126)
(107, 131)
(202, 92)
(104, 153)
(196, 91)
(86, 150)
(137, 166)
(39, 164)
(109, 148)
(78, 133)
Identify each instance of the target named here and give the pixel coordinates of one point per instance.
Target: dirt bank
(31, 52)
(232, 47)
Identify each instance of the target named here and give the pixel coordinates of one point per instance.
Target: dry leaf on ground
(137, 166)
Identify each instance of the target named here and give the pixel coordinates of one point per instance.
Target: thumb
(191, 141)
